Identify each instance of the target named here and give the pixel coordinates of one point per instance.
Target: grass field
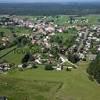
(21, 89)
(38, 84)
(18, 30)
(15, 56)
(2, 52)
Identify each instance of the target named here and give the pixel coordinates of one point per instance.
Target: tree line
(49, 8)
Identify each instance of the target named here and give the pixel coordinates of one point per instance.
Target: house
(60, 30)
(30, 26)
(81, 56)
(58, 67)
(69, 68)
(4, 67)
(38, 61)
(20, 66)
(52, 34)
(50, 29)
(63, 59)
(97, 39)
(47, 45)
(29, 66)
(3, 98)
(98, 49)
(5, 39)
(91, 56)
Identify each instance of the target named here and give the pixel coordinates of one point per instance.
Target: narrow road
(81, 42)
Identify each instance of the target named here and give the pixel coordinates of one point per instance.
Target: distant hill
(49, 8)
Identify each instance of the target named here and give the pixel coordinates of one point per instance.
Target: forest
(49, 8)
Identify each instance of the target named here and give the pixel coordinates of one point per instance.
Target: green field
(21, 89)
(8, 31)
(3, 52)
(38, 84)
(63, 19)
(14, 56)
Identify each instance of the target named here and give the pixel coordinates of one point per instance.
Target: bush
(1, 47)
(24, 65)
(34, 66)
(74, 58)
(21, 69)
(26, 58)
(48, 67)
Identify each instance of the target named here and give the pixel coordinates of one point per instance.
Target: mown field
(38, 84)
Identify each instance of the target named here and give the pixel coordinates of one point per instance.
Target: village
(47, 44)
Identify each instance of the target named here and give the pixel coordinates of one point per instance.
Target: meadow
(38, 84)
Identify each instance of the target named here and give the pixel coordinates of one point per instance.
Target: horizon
(48, 1)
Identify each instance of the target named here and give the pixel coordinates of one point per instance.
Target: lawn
(75, 85)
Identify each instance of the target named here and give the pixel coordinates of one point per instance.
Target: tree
(34, 66)
(74, 58)
(1, 47)
(55, 51)
(1, 34)
(94, 69)
(24, 65)
(22, 41)
(57, 39)
(48, 67)
(26, 58)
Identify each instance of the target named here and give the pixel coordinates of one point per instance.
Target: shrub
(24, 65)
(34, 66)
(48, 67)
(26, 58)
(74, 58)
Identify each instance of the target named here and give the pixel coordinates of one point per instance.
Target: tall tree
(1, 34)
(94, 69)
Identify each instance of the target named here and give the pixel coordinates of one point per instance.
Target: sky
(47, 0)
